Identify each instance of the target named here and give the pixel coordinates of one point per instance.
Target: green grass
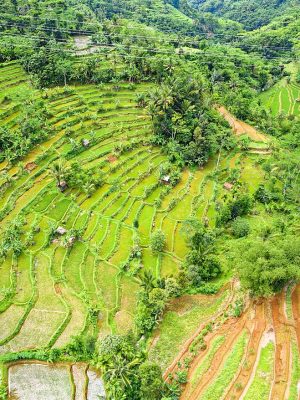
(261, 385)
(177, 327)
(9, 320)
(145, 223)
(288, 301)
(24, 280)
(205, 363)
(5, 271)
(125, 243)
(72, 266)
(281, 98)
(67, 281)
(87, 272)
(217, 388)
(168, 227)
(106, 283)
(295, 377)
(169, 266)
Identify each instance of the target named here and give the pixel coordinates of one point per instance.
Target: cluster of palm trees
(184, 120)
(74, 176)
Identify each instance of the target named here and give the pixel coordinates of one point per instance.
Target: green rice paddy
(48, 293)
(284, 97)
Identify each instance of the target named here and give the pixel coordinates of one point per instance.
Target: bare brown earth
(263, 319)
(111, 158)
(232, 329)
(242, 128)
(256, 326)
(185, 349)
(282, 350)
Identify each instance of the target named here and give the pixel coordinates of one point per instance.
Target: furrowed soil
(267, 325)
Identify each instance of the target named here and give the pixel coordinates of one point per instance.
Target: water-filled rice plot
(48, 383)
(62, 381)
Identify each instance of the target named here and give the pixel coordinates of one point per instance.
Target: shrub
(240, 228)
(158, 241)
(237, 207)
(266, 266)
(181, 377)
(151, 381)
(201, 270)
(3, 392)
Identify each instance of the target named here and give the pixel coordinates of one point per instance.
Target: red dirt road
(260, 318)
(256, 325)
(240, 127)
(282, 331)
(231, 329)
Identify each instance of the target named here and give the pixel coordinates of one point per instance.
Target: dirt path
(185, 348)
(257, 326)
(282, 348)
(242, 128)
(291, 100)
(232, 329)
(259, 151)
(267, 322)
(296, 312)
(280, 102)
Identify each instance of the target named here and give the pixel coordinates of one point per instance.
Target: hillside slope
(252, 14)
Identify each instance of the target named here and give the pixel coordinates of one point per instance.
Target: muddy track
(282, 348)
(185, 348)
(241, 127)
(280, 102)
(256, 325)
(259, 151)
(265, 320)
(296, 312)
(231, 329)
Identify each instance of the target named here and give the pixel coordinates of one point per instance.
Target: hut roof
(228, 185)
(166, 178)
(61, 230)
(62, 185)
(30, 166)
(85, 142)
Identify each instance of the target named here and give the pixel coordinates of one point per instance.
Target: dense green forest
(252, 14)
(175, 65)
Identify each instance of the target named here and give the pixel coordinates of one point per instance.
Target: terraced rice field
(50, 293)
(283, 98)
(253, 356)
(63, 381)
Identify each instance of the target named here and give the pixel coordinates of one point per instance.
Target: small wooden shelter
(30, 166)
(62, 185)
(166, 179)
(61, 230)
(85, 142)
(228, 186)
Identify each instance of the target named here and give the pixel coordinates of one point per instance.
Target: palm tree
(122, 370)
(141, 99)
(152, 110)
(166, 98)
(58, 170)
(147, 281)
